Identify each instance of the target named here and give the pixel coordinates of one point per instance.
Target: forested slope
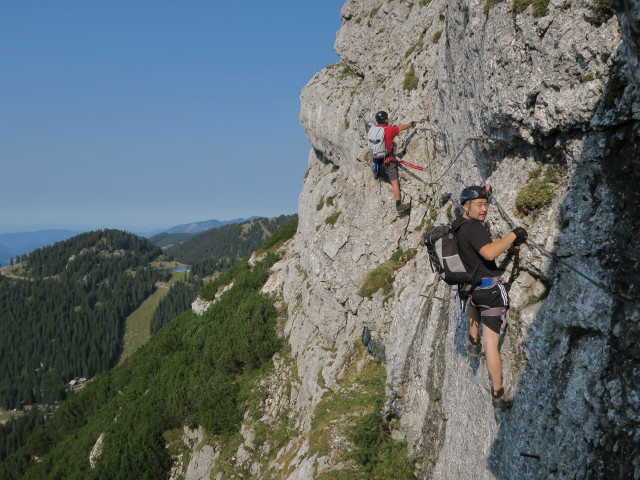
(194, 371)
(219, 248)
(165, 239)
(62, 312)
(214, 251)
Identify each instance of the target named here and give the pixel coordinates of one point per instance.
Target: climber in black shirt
(489, 300)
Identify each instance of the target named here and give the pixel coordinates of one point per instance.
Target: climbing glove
(521, 235)
(414, 123)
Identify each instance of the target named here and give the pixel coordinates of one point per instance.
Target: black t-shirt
(472, 236)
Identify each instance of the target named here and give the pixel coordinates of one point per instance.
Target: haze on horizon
(148, 115)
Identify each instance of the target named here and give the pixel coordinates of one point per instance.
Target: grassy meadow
(138, 330)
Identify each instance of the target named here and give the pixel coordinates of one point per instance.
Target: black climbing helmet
(382, 116)
(471, 193)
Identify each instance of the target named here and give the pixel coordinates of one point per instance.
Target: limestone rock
(96, 451)
(201, 459)
(557, 90)
(501, 95)
(200, 305)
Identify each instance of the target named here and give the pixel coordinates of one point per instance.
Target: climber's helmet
(382, 116)
(472, 193)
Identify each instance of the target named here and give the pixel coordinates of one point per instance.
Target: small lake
(184, 268)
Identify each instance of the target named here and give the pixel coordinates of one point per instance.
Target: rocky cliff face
(551, 91)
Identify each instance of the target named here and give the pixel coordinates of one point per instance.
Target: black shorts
(489, 306)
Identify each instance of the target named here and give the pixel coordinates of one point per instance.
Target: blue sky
(150, 114)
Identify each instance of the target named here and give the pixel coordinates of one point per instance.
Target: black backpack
(442, 247)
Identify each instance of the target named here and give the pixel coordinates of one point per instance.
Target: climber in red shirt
(389, 166)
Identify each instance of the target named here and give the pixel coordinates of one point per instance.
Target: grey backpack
(442, 247)
(376, 143)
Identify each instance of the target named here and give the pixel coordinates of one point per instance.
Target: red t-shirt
(390, 133)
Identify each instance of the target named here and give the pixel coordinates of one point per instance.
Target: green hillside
(170, 239)
(187, 374)
(62, 312)
(219, 248)
(214, 251)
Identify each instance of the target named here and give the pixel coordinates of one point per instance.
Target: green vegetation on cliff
(538, 192)
(381, 277)
(186, 375)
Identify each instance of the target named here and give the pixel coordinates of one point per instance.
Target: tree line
(219, 248)
(64, 317)
(177, 301)
(232, 241)
(186, 375)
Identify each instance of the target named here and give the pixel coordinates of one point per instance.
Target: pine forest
(65, 308)
(191, 372)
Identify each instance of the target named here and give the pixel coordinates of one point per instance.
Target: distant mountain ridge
(219, 248)
(14, 244)
(197, 227)
(23, 243)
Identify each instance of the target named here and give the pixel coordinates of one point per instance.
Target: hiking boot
(500, 401)
(474, 346)
(403, 207)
